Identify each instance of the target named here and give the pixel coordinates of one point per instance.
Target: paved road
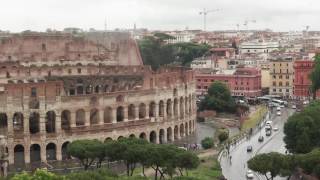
(236, 169)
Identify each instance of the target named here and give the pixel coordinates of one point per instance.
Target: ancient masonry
(56, 88)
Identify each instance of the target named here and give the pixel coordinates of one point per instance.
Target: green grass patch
(209, 169)
(254, 119)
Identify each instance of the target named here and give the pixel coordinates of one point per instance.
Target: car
(278, 108)
(305, 102)
(298, 110)
(275, 128)
(279, 113)
(268, 133)
(249, 174)
(282, 106)
(261, 138)
(268, 128)
(249, 148)
(294, 106)
(268, 123)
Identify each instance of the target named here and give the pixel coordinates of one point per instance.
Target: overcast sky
(279, 15)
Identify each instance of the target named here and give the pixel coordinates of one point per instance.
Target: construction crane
(246, 22)
(204, 13)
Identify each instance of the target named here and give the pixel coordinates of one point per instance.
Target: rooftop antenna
(204, 13)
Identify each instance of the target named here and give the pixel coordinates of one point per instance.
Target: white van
(268, 123)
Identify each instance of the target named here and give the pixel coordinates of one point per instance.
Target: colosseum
(57, 87)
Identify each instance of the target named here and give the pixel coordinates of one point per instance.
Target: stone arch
(169, 108)
(152, 109)
(3, 123)
(120, 114)
(120, 137)
(169, 134)
(50, 122)
(132, 136)
(107, 115)
(161, 108)
(190, 128)
(131, 112)
(162, 136)
(80, 88)
(142, 111)
(34, 123)
(182, 130)
(176, 132)
(153, 137)
(94, 116)
(18, 122)
(97, 89)
(89, 89)
(143, 136)
(19, 155)
(35, 150)
(181, 107)
(80, 117)
(65, 119)
(64, 153)
(108, 139)
(175, 92)
(51, 150)
(175, 107)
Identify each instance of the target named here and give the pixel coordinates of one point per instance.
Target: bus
(280, 102)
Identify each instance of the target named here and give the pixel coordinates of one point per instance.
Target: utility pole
(204, 13)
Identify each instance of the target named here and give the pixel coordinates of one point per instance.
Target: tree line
(165, 160)
(156, 52)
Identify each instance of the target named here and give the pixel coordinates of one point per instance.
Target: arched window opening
(142, 111)
(35, 153)
(120, 114)
(18, 122)
(34, 123)
(19, 155)
(3, 124)
(51, 152)
(80, 117)
(152, 109)
(131, 112)
(65, 120)
(51, 122)
(107, 115)
(94, 116)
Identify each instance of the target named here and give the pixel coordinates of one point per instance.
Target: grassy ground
(209, 169)
(254, 118)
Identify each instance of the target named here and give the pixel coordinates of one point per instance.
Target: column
(136, 109)
(114, 115)
(58, 123)
(10, 124)
(101, 121)
(165, 140)
(178, 111)
(27, 154)
(42, 123)
(73, 119)
(43, 154)
(125, 113)
(87, 118)
(147, 111)
(179, 136)
(11, 153)
(58, 152)
(26, 128)
(165, 111)
(172, 111)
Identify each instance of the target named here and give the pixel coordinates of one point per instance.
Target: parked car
(249, 148)
(294, 106)
(298, 110)
(268, 123)
(276, 128)
(261, 138)
(268, 133)
(305, 102)
(249, 174)
(279, 113)
(278, 108)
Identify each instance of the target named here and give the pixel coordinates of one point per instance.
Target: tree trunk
(156, 174)
(143, 171)
(128, 169)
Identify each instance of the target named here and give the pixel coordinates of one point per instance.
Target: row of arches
(54, 152)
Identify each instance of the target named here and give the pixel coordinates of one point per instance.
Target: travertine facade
(47, 102)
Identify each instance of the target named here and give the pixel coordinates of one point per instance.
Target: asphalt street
(236, 168)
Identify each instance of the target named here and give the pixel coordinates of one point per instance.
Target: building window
(274, 71)
(280, 64)
(287, 83)
(287, 76)
(280, 77)
(33, 92)
(274, 83)
(280, 90)
(9, 58)
(280, 83)
(199, 87)
(79, 70)
(287, 64)
(69, 71)
(280, 71)
(205, 87)
(274, 90)
(274, 77)
(43, 47)
(205, 80)
(287, 90)
(247, 83)
(226, 81)
(274, 64)
(199, 80)
(212, 80)
(287, 71)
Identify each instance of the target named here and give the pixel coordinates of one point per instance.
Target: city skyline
(39, 15)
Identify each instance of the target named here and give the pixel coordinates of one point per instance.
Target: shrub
(207, 143)
(223, 135)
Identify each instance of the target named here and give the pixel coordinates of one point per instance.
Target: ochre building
(57, 88)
